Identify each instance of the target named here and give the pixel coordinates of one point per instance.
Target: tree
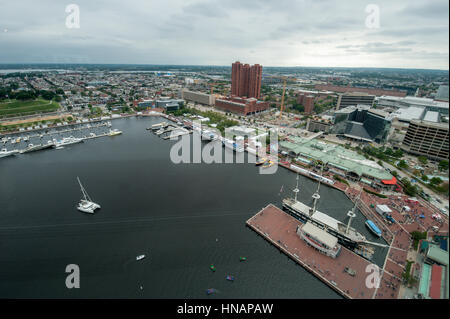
(435, 181)
(443, 165)
(423, 160)
(402, 164)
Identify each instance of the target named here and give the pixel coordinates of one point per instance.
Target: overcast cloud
(412, 33)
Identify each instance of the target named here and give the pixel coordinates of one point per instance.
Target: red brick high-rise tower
(246, 80)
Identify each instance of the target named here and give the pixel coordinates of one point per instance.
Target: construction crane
(282, 96)
(212, 87)
(284, 78)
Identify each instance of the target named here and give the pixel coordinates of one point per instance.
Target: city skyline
(409, 34)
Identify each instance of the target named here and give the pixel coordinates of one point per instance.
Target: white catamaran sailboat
(86, 205)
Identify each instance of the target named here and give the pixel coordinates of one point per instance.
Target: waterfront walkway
(279, 228)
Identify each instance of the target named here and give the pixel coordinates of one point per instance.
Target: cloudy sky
(342, 33)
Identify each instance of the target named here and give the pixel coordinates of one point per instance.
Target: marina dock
(279, 228)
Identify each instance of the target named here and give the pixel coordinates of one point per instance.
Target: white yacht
(114, 132)
(4, 152)
(68, 141)
(86, 205)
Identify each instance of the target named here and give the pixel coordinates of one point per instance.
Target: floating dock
(279, 228)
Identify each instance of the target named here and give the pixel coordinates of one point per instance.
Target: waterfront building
(339, 160)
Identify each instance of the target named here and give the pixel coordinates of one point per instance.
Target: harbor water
(183, 217)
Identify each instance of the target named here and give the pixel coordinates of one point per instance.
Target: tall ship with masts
(347, 235)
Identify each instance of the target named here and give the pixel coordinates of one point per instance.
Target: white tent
(383, 209)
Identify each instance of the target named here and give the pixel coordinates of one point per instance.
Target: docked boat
(233, 145)
(319, 239)
(38, 147)
(209, 136)
(348, 236)
(140, 257)
(365, 251)
(260, 161)
(373, 228)
(5, 153)
(114, 132)
(268, 164)
(86, 205)
(68, 141)
(158, 126)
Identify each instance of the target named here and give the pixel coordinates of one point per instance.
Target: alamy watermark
(73, 279)
(73, 19)
(373, 19)
(373, 279)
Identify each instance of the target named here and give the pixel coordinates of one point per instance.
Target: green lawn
(15, 107)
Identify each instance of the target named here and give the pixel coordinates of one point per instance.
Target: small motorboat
(260, 161)
(212, 267)
(230, 278)
(210, 291)
(268, 164)
(140, 257)
(242, 258)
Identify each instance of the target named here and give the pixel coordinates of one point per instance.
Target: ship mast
(351, 213)
(316, 195)
(85, 194)
(296, 190)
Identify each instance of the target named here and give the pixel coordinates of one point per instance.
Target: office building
(316, 124)
(198, 97)
(362, 123)
(428, 139)
(354, 98)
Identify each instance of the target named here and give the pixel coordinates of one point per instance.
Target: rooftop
(337, 156)
(320, 234)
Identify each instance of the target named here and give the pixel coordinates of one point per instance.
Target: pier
(279, 229)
